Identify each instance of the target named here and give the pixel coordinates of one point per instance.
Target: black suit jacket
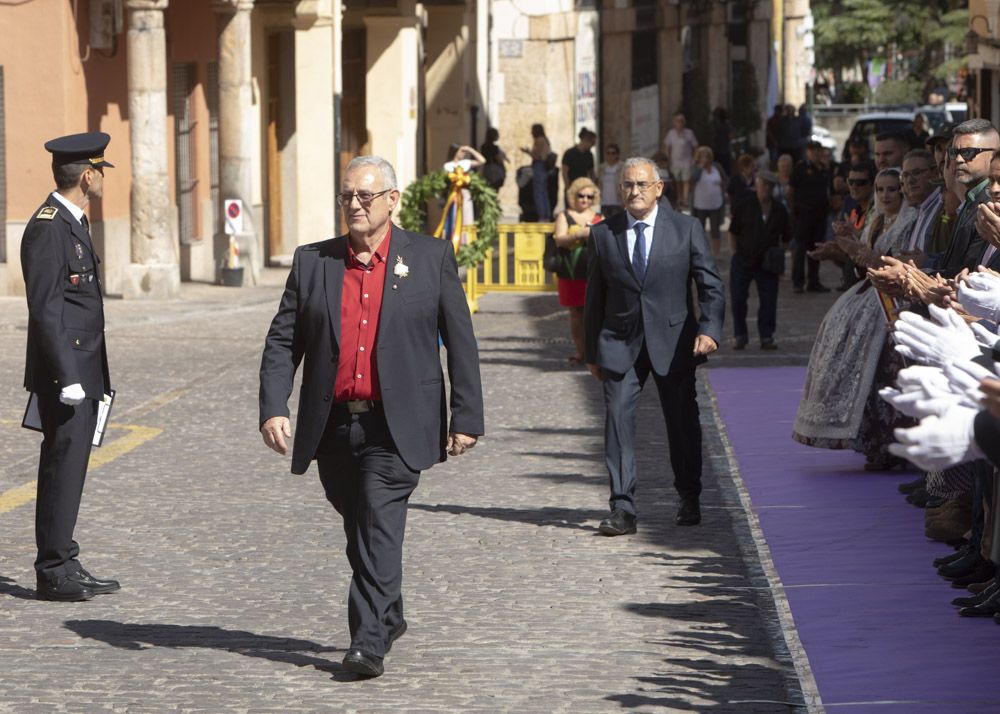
(620, 311)
(415, 309)
(65, 306)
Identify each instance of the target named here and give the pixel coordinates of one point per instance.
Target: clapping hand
(980, 296)
(939, 441)
(827, 251)
(946, 338)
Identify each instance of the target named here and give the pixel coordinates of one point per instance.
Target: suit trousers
(678, 400)
(62, 468)
(809, 230)
(369, 486)
(740, 279)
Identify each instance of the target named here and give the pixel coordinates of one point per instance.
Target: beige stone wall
(447, 81)
(530, 95)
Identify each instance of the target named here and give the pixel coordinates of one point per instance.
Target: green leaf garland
(413, 212)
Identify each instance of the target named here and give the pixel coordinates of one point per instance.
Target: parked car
(940, 114)
(868, 126)
(824, 137)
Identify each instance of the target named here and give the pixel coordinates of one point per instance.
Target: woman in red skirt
(572, 228)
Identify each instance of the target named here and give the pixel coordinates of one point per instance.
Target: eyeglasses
(586, 196)
(968, 153)
(365, 198)
(858, 182)
(913, 174)
(643, 186)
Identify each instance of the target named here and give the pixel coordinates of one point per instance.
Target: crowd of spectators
(904, 367)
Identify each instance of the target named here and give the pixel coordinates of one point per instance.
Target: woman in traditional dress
(852, 357)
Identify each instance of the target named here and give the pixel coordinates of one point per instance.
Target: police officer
(66, 368)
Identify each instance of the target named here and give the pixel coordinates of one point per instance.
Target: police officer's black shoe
(62, 590)
(95, 585)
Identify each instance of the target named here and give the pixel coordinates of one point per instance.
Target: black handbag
(566, 263)
(774, 260)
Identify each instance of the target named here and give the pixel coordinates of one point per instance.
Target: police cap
(85, 148)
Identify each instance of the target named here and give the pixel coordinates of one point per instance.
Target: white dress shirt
(647, 232)
(74, 209)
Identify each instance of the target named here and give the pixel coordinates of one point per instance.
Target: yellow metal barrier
(514, 265)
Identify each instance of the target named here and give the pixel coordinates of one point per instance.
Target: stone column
(315, 151)
(235, 135)
(393, 58)
(153, 271)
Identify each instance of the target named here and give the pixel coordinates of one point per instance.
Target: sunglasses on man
(968, 153)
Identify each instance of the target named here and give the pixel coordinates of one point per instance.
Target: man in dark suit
(365, 311)
(66, 366)
(639, 318)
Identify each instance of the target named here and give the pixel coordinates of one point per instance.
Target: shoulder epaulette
(47, 213)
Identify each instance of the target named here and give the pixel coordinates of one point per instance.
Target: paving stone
(234, 576)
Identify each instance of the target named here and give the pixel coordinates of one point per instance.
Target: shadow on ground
(137, 637)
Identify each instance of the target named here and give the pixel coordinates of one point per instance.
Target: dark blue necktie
(639, 252)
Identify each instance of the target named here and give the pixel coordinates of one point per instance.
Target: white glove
(946, 339)
(983, 302)
(984, 336)
(917, 404)
(939, 441)
(72, 394)
(983, 281)
(922, 377)
(964, 379)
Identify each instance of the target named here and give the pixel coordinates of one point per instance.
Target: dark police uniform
(65, 347)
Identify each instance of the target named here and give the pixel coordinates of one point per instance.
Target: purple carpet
(874, 618)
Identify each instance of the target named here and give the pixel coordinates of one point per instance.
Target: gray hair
(384, 167)
(975, 126)
(636, 161)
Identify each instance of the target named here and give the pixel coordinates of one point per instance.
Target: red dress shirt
(360, 304)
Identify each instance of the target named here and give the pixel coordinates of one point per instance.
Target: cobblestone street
(233, 572)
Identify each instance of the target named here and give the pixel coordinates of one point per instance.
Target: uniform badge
(74, 280)
(47, 213)
(79, 251)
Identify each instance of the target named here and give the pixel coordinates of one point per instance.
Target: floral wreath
(443, 185)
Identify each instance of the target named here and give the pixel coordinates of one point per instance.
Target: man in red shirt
(365, 310)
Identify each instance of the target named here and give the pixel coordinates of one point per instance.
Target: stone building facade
(659, 57)
(261, 101)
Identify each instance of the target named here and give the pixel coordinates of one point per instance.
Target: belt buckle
(360, 406)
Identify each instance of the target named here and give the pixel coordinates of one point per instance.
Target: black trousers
(62, 468)
(740, 279)
(810, 229)
(370, 486)
(679, 402)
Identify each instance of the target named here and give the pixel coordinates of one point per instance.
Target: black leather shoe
(768, 345)
(689, 514)
(95, 585)
(963, 566)
(979, 598)
(817, 288)
(63, 590)
(395, 635)
(620, 522)
(912, 486)
(918, 498)
(740, 343)
(987, 608)
(980, 574)
(945, 559)
(364, 664)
